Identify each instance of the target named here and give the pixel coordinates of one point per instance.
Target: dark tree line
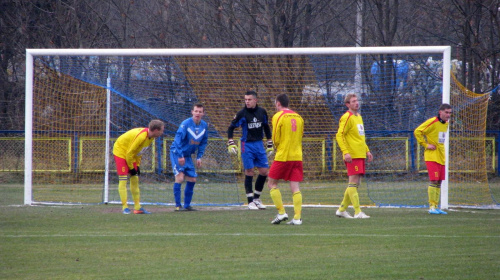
(471, 27)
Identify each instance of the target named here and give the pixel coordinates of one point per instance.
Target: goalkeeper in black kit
(254, 123)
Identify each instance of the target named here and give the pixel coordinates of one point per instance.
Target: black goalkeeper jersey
(254, 123)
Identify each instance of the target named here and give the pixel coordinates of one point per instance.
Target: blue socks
(188, 194)
(177, 194)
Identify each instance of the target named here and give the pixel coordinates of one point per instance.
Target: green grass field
(97, 242)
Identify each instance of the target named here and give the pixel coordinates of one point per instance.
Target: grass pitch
(98, 242)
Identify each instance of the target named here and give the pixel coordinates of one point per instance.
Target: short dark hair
(199, 105)
(444, 106)
(155, 125)
(283, 99)
(251, 92)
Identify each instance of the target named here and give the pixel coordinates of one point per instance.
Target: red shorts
(287, 170)
(355, 167)
(436, 171)
(122, 166)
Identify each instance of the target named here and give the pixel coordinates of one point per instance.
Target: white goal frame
(28, 148)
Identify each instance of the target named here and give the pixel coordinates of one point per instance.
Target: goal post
(100, 93)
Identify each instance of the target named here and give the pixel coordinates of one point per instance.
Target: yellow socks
(277, 200)
(437, 195)
(134, 189)
(345, 202)
(433, 193)
(352, 190)
(122, 190)
(297, 205)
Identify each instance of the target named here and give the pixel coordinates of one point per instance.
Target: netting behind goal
(398, 92)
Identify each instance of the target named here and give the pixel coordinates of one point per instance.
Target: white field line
(244, 234)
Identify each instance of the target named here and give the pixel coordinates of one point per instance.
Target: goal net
(79, 101)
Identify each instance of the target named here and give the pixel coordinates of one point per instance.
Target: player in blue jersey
(254, 123)
(191, 137)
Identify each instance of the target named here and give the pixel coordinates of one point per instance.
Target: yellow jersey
(351, 136)
(288, 129)
(130, 145)
(435, 133)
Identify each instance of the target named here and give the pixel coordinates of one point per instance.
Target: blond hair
(348, 97)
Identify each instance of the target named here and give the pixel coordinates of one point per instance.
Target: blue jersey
(190, 137)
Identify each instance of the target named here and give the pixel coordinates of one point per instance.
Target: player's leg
(297, 200)
(179, 179)
(190, 173)
(259, 186)
(354, 183)
(352, 191)
(295, 176)
(135, 191)
(275, 173)
(188, 192)
(122, 171)
(276, 195)
(248, 185)
(262, 164)
(433, 190)
(436, 198)
(247, 158)
(346, 201)
(259, 183)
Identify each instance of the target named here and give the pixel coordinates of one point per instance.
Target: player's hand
(138, 171)
(269, 149)
(132, 172)
(431, 147)
(231, 147)
(369, 156)
(347, 157)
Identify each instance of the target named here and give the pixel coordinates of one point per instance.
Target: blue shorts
(188, 168)
(253, 155)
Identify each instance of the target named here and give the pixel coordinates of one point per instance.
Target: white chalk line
(237, 234)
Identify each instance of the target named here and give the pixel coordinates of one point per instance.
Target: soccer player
(288, 129)
(190, 138)
(431, 134)
(127, 153)
(254, 123)
(351, 140)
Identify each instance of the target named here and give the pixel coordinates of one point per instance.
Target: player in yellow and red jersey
(127, 153)
(288, 129)
(431, 135)
(351, 140)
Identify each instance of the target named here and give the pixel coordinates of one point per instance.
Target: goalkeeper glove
(231, 147)
(132, 172)
(270, 149)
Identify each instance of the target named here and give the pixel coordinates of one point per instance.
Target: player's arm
(276, 133)
(420, 133)
(340, 136)
(236, 122)
(265, 126)
(134, 149)
(267, 132)
(203, 145)
(179, 136)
